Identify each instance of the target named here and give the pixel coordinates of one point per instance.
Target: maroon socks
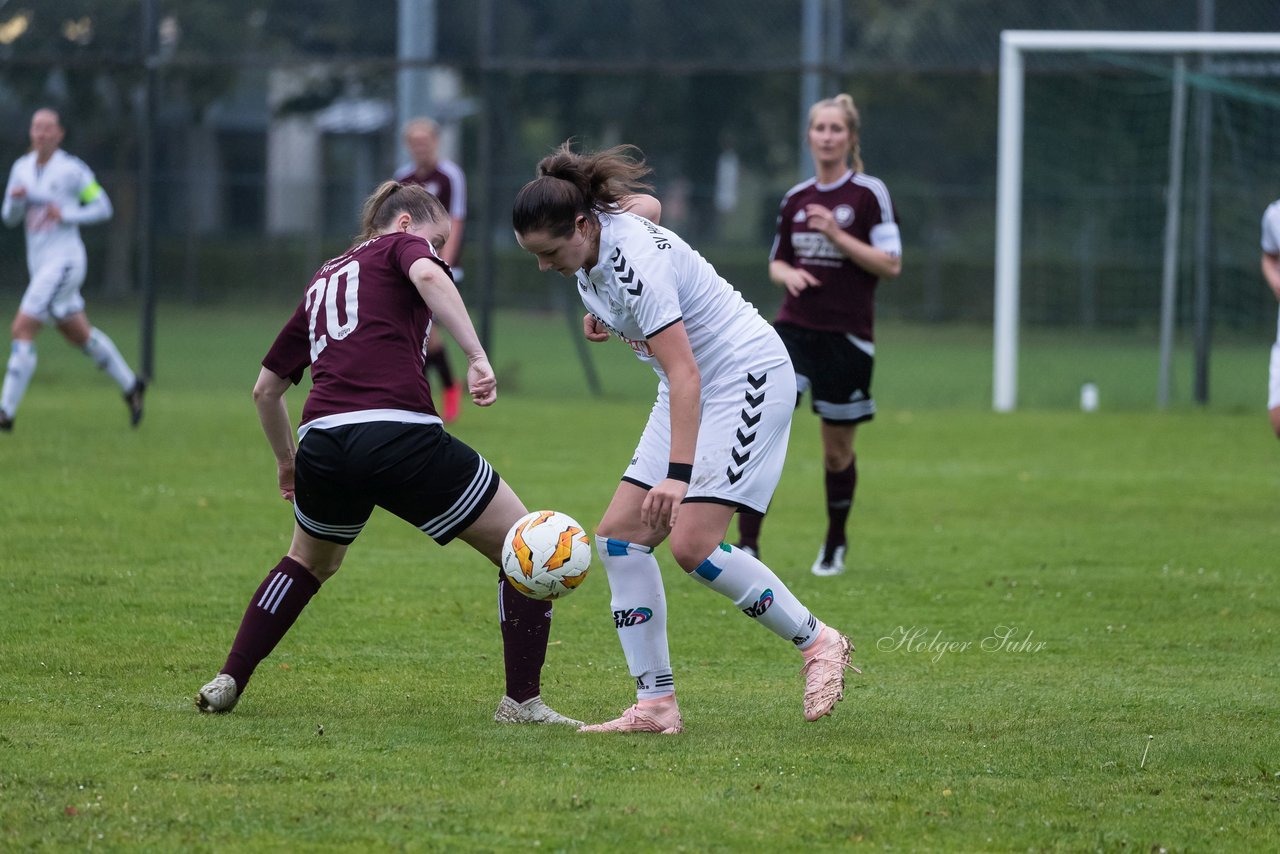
(526, 625)
(277, 603)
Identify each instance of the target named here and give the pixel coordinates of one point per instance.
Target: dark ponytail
(570, 185)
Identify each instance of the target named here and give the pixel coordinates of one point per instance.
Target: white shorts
(1273, 391)
(742, 439)
(54, 292)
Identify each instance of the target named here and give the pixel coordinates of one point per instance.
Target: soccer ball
(546, 554)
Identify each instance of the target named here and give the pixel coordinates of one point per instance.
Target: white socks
(103, 351)
(639, 606)
(759, 594)
(22, 366)
(18, 373)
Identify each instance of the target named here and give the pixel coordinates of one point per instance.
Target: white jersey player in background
(1271, 272)
(715, 440)
(53, 193)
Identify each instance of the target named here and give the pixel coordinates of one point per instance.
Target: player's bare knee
(631, 533)
(24, 328)
(837, 460)
(690, 549)
(1275, 421)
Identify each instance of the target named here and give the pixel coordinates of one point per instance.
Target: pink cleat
(661, 716)
(824, 665)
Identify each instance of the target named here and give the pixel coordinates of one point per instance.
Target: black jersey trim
(638, 483)
(661, 329)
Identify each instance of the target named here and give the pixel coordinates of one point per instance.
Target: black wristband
(682, 472)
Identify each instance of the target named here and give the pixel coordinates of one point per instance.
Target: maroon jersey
(845, 301)
(445, 182)
(362, 327)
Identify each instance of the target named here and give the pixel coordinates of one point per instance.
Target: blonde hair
(392, 199)
(422, 123)
(844, 103)
(570, 185)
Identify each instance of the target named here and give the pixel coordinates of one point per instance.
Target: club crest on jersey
(633, 616)
(762, 604)
(843, 215)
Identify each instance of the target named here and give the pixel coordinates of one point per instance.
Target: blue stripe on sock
(616, 547)
(708, 570)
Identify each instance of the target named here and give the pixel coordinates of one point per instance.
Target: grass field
(1068, 624)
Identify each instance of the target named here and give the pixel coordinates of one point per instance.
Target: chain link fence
(263, 125)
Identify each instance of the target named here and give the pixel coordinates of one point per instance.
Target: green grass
(1129, 553)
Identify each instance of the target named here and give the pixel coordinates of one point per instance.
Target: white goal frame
(1014, 44)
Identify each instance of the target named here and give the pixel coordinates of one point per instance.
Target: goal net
(1133, 172)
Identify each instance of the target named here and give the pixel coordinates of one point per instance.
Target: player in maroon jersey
(370, 436)
(837, 236)
(445, 180)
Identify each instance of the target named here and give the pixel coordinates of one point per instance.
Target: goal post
(1015, 45)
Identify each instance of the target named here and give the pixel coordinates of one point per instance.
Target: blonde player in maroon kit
(370, 436)
(837, 236)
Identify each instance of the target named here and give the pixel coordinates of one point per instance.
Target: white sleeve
(1270, 229)
(649, 289)
(95, 204)
(457, 189)
(886, 237)
(14, 209)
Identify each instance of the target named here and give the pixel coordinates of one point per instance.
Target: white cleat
(220, 695)
(824, 567)
(531, 711)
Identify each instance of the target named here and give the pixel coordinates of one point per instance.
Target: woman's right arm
(795, 279)
(438, 291)
(643, 204)
(15, 199)
(1271, 272)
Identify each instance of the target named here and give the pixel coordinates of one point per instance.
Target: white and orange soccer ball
(546, 554)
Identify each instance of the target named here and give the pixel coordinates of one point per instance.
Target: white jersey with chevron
(1271, 246)
(67, 183)
(648, 279)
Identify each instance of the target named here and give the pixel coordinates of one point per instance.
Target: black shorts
(432, 480)
(836, 369)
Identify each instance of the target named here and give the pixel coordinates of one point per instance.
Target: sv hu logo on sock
(634, 616)
(762, 604)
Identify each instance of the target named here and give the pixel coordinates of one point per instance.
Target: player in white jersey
(715, 440)
(53, 194)
(1271, 272)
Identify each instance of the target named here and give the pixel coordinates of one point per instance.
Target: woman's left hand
(481, 382)
(662, 504)
(284, 477)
